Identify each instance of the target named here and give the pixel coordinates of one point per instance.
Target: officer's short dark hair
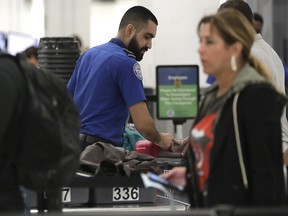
(137, 15)
(258, 17)
(239, 5)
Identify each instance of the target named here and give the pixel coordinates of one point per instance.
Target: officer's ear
(130, 31)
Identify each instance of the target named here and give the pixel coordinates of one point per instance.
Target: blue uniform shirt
(107, 80)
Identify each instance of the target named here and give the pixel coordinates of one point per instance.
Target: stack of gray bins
(58, 55)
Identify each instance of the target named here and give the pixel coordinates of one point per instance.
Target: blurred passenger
(79, 40)
(12, 95)
(236, 136)
(267, 55)
(31, 54)
(107, 84)
(258, 25)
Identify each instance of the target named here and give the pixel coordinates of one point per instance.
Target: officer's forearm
(150, 132)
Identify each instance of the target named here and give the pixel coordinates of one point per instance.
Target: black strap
(89, 139)
(193, 189)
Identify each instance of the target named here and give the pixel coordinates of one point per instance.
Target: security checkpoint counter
(148, 203)
(102, 193)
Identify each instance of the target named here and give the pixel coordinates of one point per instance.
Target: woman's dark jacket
(259, 109)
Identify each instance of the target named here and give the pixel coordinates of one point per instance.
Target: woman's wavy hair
(234, 27)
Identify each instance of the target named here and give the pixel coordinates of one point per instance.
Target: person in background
(79, 40)
(31, 54)
(236, 136)
(106, 84)
(258, 22)
(264, 52)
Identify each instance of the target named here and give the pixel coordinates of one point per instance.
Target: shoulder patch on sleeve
(137, 71)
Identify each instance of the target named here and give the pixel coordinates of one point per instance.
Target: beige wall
(25, 16)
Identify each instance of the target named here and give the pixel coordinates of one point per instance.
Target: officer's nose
(149, 44)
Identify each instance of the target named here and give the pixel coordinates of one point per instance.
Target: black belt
(90, 139)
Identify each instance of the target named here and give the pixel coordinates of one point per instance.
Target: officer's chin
(139, 58)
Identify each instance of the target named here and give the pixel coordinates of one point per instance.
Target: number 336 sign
(125, 193)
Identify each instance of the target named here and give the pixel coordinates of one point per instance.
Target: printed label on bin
(66, 195)
(125, 194)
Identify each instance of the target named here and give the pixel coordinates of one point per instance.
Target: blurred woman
(236, 137)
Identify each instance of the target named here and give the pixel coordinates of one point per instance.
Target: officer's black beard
(133, 46)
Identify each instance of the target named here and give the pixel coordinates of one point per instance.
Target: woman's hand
(176, 175)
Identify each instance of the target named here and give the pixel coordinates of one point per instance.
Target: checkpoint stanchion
(178, 128)
(50, 201)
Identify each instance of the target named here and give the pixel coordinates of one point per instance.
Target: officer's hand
(167, 140)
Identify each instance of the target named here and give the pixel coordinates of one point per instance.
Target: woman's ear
(237, 48)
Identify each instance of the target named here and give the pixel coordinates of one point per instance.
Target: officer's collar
(118, 42)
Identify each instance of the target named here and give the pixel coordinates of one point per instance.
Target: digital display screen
(18, 42)
(2, 41)
(177, 91)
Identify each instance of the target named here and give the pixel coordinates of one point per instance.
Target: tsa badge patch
(137, 71)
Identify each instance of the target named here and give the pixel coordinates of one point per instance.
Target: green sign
(177, 91)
